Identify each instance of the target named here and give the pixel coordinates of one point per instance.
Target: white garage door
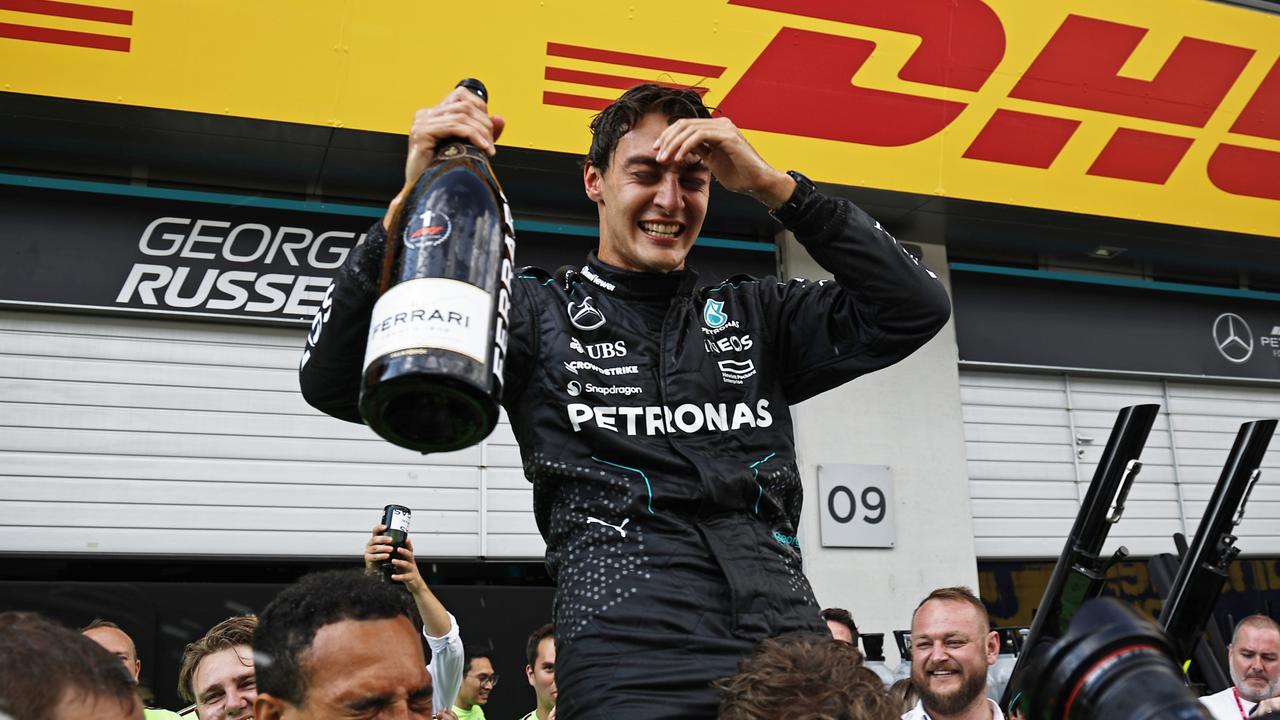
(120, 436)
(1034, 440)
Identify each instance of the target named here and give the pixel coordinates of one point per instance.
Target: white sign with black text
(856, 506)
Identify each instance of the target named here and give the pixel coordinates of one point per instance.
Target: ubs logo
(585, 315)
(600, 351)
(1233, 338)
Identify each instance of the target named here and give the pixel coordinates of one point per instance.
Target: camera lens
(1111, 665)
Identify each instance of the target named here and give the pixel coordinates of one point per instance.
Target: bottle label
(431, 313)
(399, 521)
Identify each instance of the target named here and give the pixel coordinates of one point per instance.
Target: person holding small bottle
(439, 626)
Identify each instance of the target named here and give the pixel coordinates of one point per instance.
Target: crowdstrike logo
(574, 366)
(1233, 338)
(585, 315)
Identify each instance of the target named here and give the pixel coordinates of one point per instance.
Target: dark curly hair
(288, 625)
(616, 120)
(808, 676)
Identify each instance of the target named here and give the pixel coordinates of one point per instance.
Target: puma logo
(621, 532)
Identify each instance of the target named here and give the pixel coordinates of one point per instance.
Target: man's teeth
(667, 229)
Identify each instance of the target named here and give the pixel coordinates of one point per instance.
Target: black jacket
(653, 415)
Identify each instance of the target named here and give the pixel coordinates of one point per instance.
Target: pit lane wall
(1154, 110)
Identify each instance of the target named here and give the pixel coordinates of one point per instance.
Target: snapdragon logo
(660, 420)
(627, 390)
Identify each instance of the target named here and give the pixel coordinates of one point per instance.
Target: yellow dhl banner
(1158, 110)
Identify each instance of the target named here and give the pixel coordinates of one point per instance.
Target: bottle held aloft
(396, 519)
(438, 334)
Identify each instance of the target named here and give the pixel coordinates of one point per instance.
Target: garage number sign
(856, 505)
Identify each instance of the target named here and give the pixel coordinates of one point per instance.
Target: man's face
(76, 704)
(542, 675)
(362, 669)
(118, 644)
(477, 683)
(950, 652)
(840, 631)
(650, 212)
(224, 684)
(1255, 663)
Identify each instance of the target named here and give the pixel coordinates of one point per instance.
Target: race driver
(652, 413)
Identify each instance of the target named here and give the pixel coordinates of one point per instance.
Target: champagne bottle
(438, 334)
(396, 520)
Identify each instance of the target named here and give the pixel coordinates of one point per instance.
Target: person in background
(337, 645)
(217, 673)
(439, 626)
(840, 622)
(51, 672)
(804, 676)
(952, 645)
(1253, 658)
(904, 695)
(117, 642)
(540, 651)
(478, 680)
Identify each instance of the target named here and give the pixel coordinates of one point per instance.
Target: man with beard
(952, 645)
(1254, 659)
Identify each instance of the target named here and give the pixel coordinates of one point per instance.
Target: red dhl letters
(802, 84)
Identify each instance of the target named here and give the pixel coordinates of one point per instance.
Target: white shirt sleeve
(445, 666)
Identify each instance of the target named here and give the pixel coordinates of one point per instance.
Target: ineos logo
(1233, 338)
(584, 315)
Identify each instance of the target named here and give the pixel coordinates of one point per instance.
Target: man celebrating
(952, 645)
(1254, 660)
(665, 484)
(216, 672)
(478, 680)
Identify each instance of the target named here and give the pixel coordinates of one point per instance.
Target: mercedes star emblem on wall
(1232, 336)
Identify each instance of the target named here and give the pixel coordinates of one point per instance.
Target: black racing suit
(653, 421)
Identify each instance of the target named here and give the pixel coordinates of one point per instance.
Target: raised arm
(329, 373)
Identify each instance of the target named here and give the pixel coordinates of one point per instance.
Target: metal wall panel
(1034, 440)
(191, 439)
